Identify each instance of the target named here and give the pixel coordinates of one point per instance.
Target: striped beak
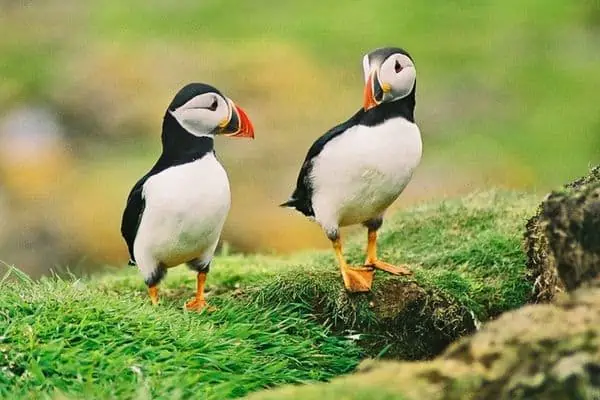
(374, 91)
(238, 125)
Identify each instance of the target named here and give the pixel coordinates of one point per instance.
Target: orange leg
(373, 261)
(198, 303)
(356, 279)
(153, 292)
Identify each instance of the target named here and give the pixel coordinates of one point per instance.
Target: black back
(178, 147)
(301, 199)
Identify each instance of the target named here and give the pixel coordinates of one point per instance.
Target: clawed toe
(389, 268)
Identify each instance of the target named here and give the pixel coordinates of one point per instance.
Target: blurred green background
(508, 95)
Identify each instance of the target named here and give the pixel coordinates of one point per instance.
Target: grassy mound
(468, 263)
(279, 319)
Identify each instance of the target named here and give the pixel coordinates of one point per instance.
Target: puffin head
(202, 110)
(390, 75)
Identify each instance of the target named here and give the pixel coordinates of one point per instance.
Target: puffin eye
(397, 66)
(213, 106)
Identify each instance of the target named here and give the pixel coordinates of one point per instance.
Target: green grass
(87, 340)
(279, 320)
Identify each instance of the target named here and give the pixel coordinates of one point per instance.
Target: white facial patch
(366, 68)
(398, 71)
(202, 114)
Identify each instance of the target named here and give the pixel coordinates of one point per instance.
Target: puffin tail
(291, 203)
(299, 205)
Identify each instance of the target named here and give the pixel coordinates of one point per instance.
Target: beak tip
(246, 129)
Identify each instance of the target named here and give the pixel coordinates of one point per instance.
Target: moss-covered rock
(563, 238)
(541, 265)
(544, 351)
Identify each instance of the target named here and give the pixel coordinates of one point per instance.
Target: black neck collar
(179, 145)
(404, 107)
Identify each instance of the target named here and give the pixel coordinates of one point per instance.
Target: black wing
(301, 199)
(133, 215)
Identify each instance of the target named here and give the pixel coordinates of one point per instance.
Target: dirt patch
(416, 322)
(399, 319)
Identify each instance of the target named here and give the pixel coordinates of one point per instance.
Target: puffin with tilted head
(175, 213)
(356, 170)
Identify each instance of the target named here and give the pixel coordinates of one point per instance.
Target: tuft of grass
(279, 320)
(88, 341)
(471, 248)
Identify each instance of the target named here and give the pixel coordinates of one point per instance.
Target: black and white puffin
(175, 213)
(356, 170)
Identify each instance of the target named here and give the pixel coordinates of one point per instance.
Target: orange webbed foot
(196, 304)
(357, 279)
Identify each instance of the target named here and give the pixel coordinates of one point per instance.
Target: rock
(518, 357)
(563, 239)
(572, 225)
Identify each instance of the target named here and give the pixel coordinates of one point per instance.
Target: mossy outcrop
(563, 239)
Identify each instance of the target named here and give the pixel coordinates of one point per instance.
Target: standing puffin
(356, 170)
(175, 213)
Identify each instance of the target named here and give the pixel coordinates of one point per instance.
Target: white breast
(363, 170)
(186, 207)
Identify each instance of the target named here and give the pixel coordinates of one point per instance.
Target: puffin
(357, 169)
(175, 213)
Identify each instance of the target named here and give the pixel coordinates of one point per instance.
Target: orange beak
(369, 97)
(239, 124)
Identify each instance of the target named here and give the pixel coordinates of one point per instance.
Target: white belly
(361, 172)
(186, 207)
